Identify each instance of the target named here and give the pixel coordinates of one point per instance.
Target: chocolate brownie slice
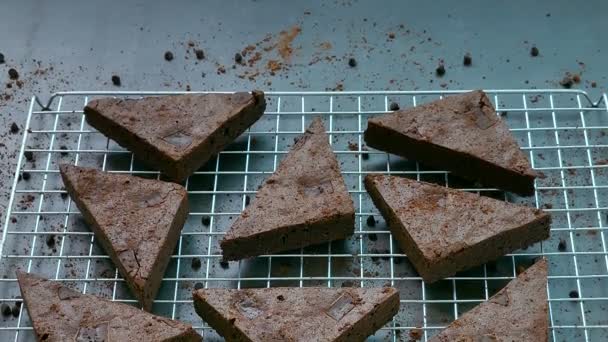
(176, 134)
(59, 314)
(304, 202)
(518, 312)
(297, 314)
(137, 221)
(459, 133)
(444, 231)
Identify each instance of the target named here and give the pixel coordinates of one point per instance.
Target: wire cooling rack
(562, 131)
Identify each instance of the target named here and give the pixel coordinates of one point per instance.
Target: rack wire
(562, 131)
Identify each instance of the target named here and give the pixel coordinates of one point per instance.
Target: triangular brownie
(137, 221)
(176, 134)
(59, 313)
(297, 314)
(305, 202)
(460, 133)
(518, 312)
(444, 231)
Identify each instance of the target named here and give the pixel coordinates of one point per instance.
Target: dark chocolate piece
(59, 314)
(444, 231)
(297, 314)
(179, 133)
(116, 80)
(305, 202)
(518, 312)
(137, 221)
(459, 133)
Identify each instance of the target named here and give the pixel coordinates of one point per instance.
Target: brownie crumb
(168, 56)
(247, 200)
(196, 263)
(593, 84)
(566, 82)
(63, 147)
(365, 155)
(391, 35)
(573, 294)
(576, 78)
(13, 74)
(206, 221)
(394, 106)
(224, 264)
(1, 58)
(561, 246)
(200, 54)
(26, 176)
(440, 71)
(372, 237)
(280, 298)
(198, 286)
(16, 309)
(238, 58)
(6, 309)
(534, 51)
(416, 334)
(116, 80)
(467, 60)
(64, 195)
(371, 222)
(50, 241)
(13, 220)
(352, 62)
(29, 155)
(14, 128)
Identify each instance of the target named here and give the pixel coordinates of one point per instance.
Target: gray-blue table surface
(397, 45)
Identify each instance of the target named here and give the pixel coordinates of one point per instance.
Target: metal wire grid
(562, 131)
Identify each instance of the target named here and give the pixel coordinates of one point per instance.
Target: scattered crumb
(416, 334)
(13, 74)
(168, 56)
(562, 246)
(440, 71)
(371, 222)
(467, 60)
(534, 51)
(116, 80)
(352, 62)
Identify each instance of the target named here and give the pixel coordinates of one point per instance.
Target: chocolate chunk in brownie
(303, 203)
(137, 221)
